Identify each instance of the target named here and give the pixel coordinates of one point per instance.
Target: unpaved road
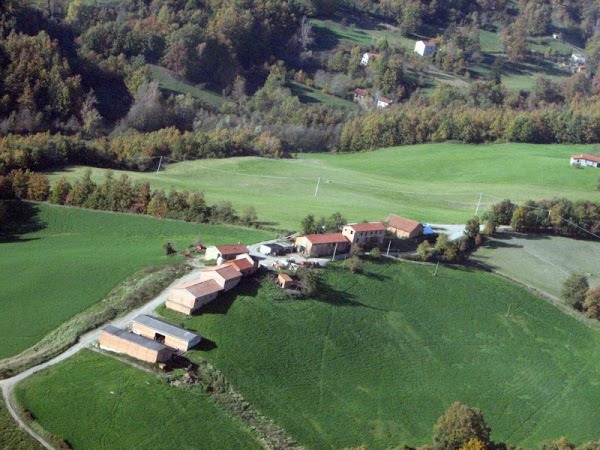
(8, 384)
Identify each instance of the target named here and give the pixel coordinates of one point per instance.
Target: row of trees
(121, 195)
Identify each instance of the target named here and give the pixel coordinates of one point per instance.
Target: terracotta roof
(226, 271)
(373, 55)
(384, 99)
(328, 238)
(401, 223)
(430, 43)
(359, 91)
(200, 288)
(234, 249)
(285, 277)
(369, 226)
(594, 158)
(240, 264)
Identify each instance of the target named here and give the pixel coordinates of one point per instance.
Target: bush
(574, 290)
(354, 264)
(375, 253)
(169, 250)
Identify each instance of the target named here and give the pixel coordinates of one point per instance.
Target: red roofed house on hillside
(584, 159)
(383, 102)
(224, 275)
(315, 245)
(244, 263)
(404, 228)
(360, 95)
(188, 297)
(226, 252)
(365, 233)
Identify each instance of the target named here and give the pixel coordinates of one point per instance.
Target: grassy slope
(169, 83)
(437, 183)
(377, 360)
(306, 94)
(94, 401)
(49, 275)
(543, 262)
(11, 436)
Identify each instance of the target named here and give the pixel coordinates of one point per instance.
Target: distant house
(315, 245)
(404, 228)
(360, 95)
(425, 48)
(224, 275)
(284, 281)
(584, 159)
(164, 333)
(225, 252)
(578, 58)
(383, 102)
(188, 297)
(120, 341)
(244, 263)
(365, 233)
(368, 57)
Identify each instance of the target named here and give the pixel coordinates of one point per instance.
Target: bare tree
(305, 34)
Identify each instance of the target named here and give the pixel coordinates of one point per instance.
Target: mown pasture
(381, 355)
(68, 259)
(436, 183)
(541, 261)
(94, 401)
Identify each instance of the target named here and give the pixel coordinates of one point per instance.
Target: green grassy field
(306, 94)
(543, 262)
(436, 183)
(170, 84)
(380, 356)
(72, 258)
(94, 401)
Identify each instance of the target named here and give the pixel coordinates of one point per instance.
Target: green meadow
(379, 356)
(67, 259)
(93, 401)
(435, 183)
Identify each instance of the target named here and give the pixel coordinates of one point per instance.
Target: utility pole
(436, 268)
(317, 189)
(388, 250)
(334, 250)
(478, 203)
(159, 163)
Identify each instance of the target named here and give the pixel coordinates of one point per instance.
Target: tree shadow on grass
(21, 218)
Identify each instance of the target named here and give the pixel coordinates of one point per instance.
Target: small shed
(120, 341)
(284, 281)
(164, 333)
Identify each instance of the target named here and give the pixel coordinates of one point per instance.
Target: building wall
(226, 285)
(182, 297)
(404, 234)
(119, 345)
(212, 253)
(170, 341)
(179, 308)
(584, 162)
(317, 250)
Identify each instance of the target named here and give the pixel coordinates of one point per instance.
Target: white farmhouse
(368, 57)
(383, 102)
(425, 48)
(584, 159)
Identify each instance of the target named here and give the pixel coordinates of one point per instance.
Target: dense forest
(78, 84)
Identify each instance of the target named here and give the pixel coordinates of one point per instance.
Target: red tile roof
(234, 249)
(400, 223)
(589, 157)
(226, 271)
(200, 288)
(328, 238)
(363, 92)
(240, 264)
(369, 226)
(373, 55)
(385, 99)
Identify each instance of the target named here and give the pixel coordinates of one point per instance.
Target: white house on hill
(585, 160)
(425, 48)
(383, 102)
(368, 57)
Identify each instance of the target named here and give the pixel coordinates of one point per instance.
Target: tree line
(121, 195)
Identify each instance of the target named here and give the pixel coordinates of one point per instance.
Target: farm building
(164, 333)
(188, 297)
(404, 228)
(244, 263)
(225, 252)
(360, 95)
(315, 245)
(383, 102)
(365, 233)
(585, 160)
(121, 341)
(276, 248)
(368, 57)
(284, 281)
(425, 48)
(224, 275)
